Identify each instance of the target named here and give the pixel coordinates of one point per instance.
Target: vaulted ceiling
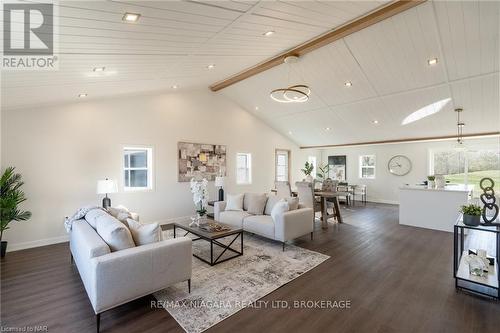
(174, 42)
(387, 65)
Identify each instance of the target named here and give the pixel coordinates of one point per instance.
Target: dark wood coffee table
(212, 238)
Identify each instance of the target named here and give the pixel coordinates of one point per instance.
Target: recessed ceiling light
(82, 95)
(99, 69)
(211, 66)
(375, 122)
(290, 132)
(432, 61)
(327, 129)
(131, 17)
(348, 84)
(175, 86)
(256, 108)
(268, 33)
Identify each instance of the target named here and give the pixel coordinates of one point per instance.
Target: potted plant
(472, 214)
(11, 196)
(430, 182)
(323, 172)
(308, 169)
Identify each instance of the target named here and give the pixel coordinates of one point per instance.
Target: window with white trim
(367, 166)
(137, 168)
(243, 168)
(282, 157)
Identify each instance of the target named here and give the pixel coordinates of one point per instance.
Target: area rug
(220, 291)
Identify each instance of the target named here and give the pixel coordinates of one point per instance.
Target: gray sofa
(290, 225)
(114, 278)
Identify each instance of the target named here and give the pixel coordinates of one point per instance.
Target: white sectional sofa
(287, 226)
(114, 278)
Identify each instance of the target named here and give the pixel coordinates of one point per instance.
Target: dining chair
(330, 185)
(305, 191)
(283, 189)
(344, 187)
(360, 190)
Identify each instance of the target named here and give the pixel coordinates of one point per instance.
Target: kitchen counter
(436, 209)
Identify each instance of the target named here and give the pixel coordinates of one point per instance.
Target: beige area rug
(220, 291)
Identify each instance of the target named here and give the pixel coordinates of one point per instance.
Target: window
(137, 168)
(467, 167)
(243, 168)
(312, 160)
(367, 166)
(282, 157)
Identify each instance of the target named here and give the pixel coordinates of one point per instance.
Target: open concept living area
(250, 166)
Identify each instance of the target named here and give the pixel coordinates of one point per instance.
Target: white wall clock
(399, 165)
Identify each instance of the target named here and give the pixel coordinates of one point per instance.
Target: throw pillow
(293, 202)
(279, 209)
(92, 215)
(144, 233)
(122, 214)
(234, 202)
(114, 233)
(271, 201)
(256, 203)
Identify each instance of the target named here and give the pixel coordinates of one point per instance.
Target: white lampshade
(105, 186)
(219, 181)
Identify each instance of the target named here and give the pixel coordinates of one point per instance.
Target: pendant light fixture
(298, 93)
(460, 126)
(459, 144)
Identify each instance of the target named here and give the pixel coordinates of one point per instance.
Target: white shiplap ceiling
(387, 65)
(174, 41)
(171, 44)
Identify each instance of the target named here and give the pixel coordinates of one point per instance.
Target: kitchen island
(432, 208)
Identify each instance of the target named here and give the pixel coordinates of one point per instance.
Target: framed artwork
(200, 160)
(338, 167)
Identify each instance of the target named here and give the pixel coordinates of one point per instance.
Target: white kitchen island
(432, 208)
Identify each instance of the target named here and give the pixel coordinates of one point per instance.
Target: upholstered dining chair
(344, 187)
(305, 191)
(283, 189)
(360, 190)
(330, 185)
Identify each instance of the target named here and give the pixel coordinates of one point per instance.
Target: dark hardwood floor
(398, 279)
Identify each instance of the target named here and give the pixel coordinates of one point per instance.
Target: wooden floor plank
(398, 279)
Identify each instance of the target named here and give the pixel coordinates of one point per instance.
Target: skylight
(426, 111)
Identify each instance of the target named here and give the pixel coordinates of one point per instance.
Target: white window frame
(149, 168)
(248, 169)
(361, 166)
(313, 160)
(278, 152)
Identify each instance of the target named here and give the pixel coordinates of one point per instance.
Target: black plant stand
(486, 286)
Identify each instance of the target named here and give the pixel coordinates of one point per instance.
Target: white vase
(430, 184)
(309, 178)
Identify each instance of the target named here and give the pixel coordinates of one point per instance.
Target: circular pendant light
(294, 94)
(298, 93)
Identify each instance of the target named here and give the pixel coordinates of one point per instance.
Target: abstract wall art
(200, 160)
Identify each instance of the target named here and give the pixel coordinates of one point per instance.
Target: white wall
(62, 151)
(384, 188)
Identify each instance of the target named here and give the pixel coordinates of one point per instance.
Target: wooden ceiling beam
(407, 140)
(320, 41)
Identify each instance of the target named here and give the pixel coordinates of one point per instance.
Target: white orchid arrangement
(200, 195)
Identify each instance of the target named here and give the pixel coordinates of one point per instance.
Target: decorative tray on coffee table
(213, 227)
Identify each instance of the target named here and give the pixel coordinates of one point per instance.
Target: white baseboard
(36, 243)
(390, 202)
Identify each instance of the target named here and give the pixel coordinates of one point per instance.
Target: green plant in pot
(323, 172)
(472, 214)
(308, 169)
(11, 196)
(430, 182)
